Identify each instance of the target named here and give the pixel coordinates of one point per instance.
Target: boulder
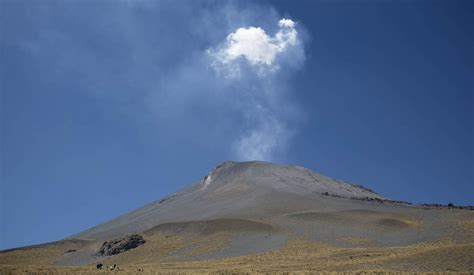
(120, 245)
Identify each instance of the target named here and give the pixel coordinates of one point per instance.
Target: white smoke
(251, 51)
(261, 141)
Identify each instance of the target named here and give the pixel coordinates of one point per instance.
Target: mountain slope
(240, 190)
(272, 217)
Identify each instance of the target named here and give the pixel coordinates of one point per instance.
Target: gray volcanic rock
(117, 246)
(248, 190)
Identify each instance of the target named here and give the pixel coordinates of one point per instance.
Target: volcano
(267, 217)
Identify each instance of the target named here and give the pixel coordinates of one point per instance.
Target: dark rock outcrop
(120, 245)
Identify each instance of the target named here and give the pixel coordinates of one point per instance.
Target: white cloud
(255, 46)
(286, 23)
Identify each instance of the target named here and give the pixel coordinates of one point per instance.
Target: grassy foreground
(297, 256)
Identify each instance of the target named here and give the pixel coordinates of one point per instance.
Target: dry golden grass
(164, 252)
(42, 255)
(13, 270)
(469, 225)
(297, 256)
(357, 241)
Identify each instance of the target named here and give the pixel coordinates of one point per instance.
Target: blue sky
(109, 105)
